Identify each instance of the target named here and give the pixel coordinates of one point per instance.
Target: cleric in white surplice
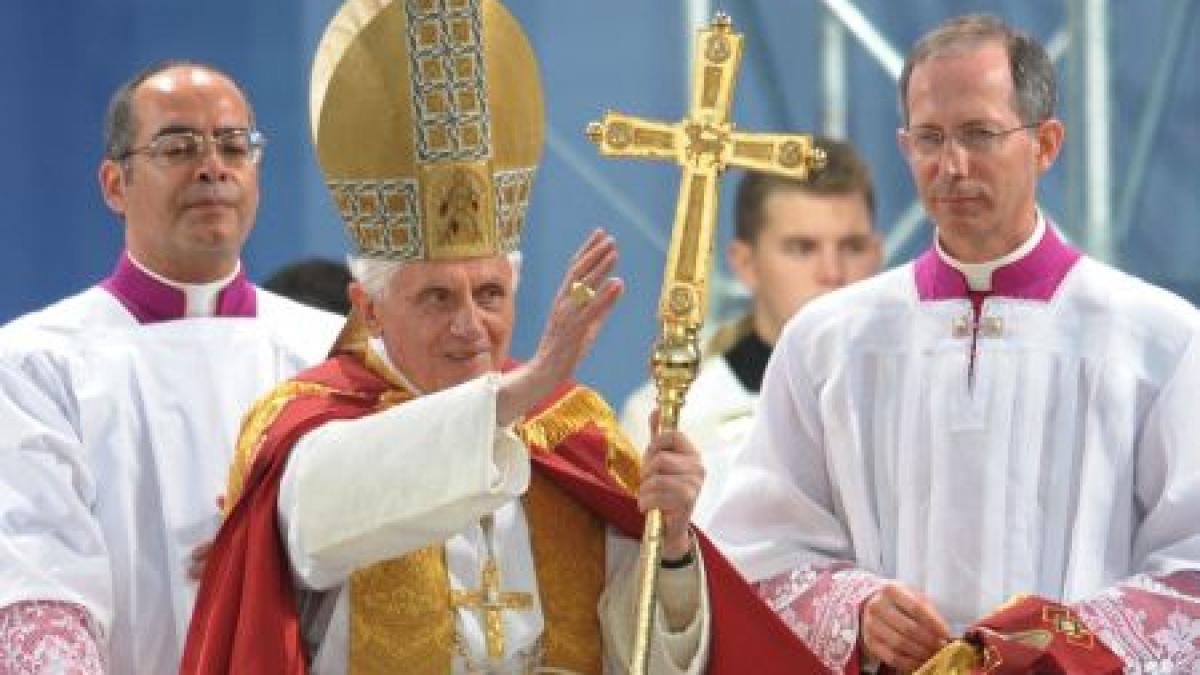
(119, 406)
(1002, 437)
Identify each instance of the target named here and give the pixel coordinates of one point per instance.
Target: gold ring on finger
(581, 293)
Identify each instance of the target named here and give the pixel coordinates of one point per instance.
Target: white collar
(375, 344)
(979, 275)
(202, 298)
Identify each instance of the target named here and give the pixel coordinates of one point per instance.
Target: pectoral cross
(490, 600)
(704, 144)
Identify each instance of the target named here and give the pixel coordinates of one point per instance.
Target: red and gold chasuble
(401, 615)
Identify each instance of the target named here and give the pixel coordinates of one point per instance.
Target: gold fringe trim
(569, 415)
(261, 416)
(408, 596)
(266, 410)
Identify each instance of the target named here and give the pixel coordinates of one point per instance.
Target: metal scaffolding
(1098, 213)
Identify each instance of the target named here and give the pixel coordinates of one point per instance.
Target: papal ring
(581, 293)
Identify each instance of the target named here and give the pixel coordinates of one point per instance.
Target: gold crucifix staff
(704, 144)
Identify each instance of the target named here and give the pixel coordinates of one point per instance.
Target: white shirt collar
(979, 275)
(201, 298)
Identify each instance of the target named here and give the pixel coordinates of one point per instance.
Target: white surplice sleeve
(1152, 619)
(777, 512)
(53, 560)
(778, 522)
(362, 491)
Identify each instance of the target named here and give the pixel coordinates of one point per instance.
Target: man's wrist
(680, 555)
(519, 390)
(685, 560)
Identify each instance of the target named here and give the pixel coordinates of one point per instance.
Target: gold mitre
(428, 121)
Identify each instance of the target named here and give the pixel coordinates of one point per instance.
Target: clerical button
(961, 328)
(991, 327)
(988, 327)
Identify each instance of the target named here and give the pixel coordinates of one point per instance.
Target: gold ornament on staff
(704, 144)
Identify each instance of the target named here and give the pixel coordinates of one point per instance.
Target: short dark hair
(120, 124)
(1035, 91)
(315, 282)
(845, 173)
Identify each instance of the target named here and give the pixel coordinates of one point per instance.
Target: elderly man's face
(446, 322)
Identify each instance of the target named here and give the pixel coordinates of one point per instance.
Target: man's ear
(1049, 139)
(740, 257)
(366, 308)
(902, 142)
(112, 186)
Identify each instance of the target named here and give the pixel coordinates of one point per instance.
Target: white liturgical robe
(352, 496)
(117, 439)
(1050, 447)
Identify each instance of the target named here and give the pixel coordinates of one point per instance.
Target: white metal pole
(1098, 132)
(870, 37)
(833, 76)
(697, 14)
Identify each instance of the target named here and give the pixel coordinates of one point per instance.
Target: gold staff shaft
(703, 144)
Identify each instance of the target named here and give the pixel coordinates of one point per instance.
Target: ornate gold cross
(490, 600)
(704, 144)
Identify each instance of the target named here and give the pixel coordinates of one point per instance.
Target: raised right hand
(571, 327)
(901, 628)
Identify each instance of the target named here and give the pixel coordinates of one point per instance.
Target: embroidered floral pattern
(48, 638)
(821, 603)
(1151, 623)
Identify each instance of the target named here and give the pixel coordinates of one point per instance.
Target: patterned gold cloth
(401, 615)
(428, 121)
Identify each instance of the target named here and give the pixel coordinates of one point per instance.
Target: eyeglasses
(236, 147)
(977, 140)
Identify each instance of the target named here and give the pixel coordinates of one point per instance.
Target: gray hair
(120, 124)
(376, 274)
(1034, 88)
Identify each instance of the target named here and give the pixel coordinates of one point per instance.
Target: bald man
(120, 404)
